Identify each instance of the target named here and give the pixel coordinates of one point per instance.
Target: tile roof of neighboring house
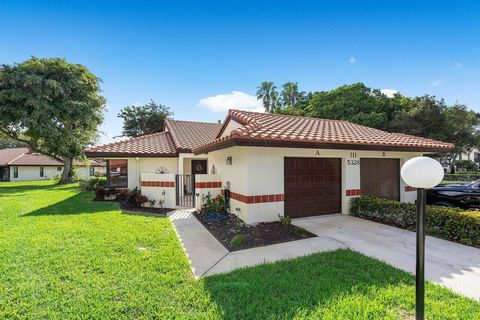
(25, 157)
(180, 136)
(9, 154)
(263, 129)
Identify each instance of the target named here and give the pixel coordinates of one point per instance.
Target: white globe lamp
(421, 173)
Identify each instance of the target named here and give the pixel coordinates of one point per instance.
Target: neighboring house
(472, 155)
(20, 164)
(273, 165)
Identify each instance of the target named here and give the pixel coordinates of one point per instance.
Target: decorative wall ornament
(161, 170)
(213, 170)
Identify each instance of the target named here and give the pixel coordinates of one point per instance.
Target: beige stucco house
(273, 165)
(22, 164)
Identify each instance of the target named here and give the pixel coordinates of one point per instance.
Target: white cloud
(234, 100)
(457, 66)
(389, 92)
(437, 83)
(352, 60)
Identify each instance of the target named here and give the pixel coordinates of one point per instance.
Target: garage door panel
(290, 179)
(305, 179)
(317, 186)
(304, 194)
(304, 164)
(380, 177)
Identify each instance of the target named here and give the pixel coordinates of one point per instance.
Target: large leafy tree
(148, 118)
(423, 116)
(356, 103)
(6, 142)
(52, 106)
(267, 92)
(431, 118)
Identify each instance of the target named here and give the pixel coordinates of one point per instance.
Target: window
(15, 172)
(41, 172)
(59, 168)
(92, 171)
(118, 173)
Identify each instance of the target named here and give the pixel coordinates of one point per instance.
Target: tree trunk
(67, 174)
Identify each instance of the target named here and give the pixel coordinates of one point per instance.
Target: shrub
(216, 204)
(101, 193)
(237, 240)
(461, 176)
(301, 232)
(136, 198)
(92, 184)
(448, 223)
(285, 220)
(468, 165)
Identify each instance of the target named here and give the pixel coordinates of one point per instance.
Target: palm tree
(290, 94)
(267, 91)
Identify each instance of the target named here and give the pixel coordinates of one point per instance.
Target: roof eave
(227, 143)
(130, 154)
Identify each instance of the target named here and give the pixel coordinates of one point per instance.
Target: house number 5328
(353, 162)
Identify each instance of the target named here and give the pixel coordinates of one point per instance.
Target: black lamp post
(421, 173)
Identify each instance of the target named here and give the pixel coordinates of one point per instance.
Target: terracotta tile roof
(35, 159)
(9, 154)
(188, 135)
(155, 144)
(285, 130)
(180, 136)
(24, 157)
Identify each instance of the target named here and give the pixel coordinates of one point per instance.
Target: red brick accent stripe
(161, 184)
(353, 192)
(408, 188)
(201, 185)
(265, 198)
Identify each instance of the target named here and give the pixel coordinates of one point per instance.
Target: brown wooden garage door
(380, 178)
(312, 186)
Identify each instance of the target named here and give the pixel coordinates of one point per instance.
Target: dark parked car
(465, 196)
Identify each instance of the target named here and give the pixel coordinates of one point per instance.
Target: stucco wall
(164, 190)
(205, 184)
(260, 171)
(235, 175)
(33, 173)
(82, 172)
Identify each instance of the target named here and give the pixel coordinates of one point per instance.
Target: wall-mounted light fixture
(228, 161)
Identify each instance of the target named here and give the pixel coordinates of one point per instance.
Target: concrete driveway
(450, 264)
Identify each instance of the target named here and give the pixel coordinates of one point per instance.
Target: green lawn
(63, 256)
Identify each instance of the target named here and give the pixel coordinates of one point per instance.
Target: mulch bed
(254, 235)
(126, 206)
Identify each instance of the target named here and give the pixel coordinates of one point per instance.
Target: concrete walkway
(203, 251)
(452, 265)
(207, 256)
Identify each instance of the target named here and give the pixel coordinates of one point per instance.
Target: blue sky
(202, 57)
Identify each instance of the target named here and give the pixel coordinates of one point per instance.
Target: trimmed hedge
(448, 223)
(461, 176)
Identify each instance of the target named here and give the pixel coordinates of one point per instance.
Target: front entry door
(199, 166)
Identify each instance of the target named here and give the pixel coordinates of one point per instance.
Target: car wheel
(444, 204)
